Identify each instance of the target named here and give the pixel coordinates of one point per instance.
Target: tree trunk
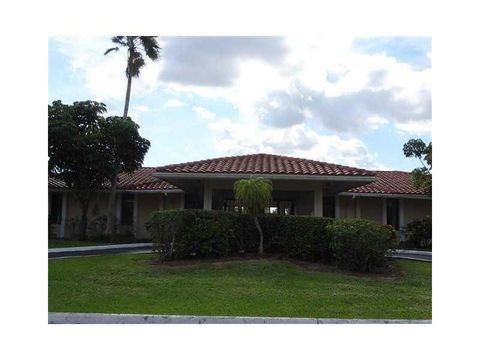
(111, 205)
(113, 180)
(84, 204)
(127, 97)
(260, 246)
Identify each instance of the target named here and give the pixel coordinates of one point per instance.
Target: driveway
(413, 255)
(98, 250)
(146, 247)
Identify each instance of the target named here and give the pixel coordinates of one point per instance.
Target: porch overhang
(332, 184)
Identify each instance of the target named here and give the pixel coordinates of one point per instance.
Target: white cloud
(237, 138)
(104, 75)
(376, 122)
(415, 127)
(141, 108)
(203, 113)
(325, 81)
(173, 103)
(281, 89)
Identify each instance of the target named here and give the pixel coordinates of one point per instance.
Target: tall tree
(75, 153)
(254, 194)
(138, 47)
(422, 176)
(123, 148)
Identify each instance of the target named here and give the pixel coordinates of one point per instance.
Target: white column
(337, 207)
(135, 214)
(207, 196)
(64, 215)
(318, 201)
(161, 202)
(118, 209)
(401, 213)
(182, 201)
(358, 209)
(384, 211)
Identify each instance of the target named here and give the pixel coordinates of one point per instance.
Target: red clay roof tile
(264, 164)
(390, 182)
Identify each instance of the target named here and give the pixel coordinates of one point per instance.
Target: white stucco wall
(417, 209)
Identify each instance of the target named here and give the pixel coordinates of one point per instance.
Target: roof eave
(170, 175)
(386, 195)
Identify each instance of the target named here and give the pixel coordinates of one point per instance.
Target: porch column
(384, 211)
(358, 209)
(161, 201)
(182, 201)
(401, 213)
(337, 207)
(118, 209)
(63, 220)
(318, 201)
(135, 214)
(207, 196)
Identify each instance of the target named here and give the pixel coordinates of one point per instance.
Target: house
(300, 187)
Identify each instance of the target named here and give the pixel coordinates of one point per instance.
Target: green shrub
(360, 245)
(307, 238)
(180, 234)
(419, 233)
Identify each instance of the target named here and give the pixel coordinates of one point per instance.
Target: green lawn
(133, 284)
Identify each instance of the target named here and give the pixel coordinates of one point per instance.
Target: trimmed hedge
(352, 244)
(181, 234)
(360, 245)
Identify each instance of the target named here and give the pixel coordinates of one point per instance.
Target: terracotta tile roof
(264, 164)
(141, 179)
(390, 182)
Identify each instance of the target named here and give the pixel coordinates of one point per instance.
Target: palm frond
(110, 50)
(150, 46)
(255, 194)
(136, 63)
(121, 40)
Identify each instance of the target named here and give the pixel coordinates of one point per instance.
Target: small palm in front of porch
(254, 195)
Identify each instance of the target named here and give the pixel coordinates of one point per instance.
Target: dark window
(275, 207)
(127, 209)
(329, 206)
(193, 201)
(392, 212)
(56, 208)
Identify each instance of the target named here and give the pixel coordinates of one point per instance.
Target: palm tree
(254, 194)
(138, 47)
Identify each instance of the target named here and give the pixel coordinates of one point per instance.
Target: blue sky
(351, 101)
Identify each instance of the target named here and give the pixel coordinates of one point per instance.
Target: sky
(345, 100)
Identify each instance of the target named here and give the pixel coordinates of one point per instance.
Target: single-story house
(300, 187)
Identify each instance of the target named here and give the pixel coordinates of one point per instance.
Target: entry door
(392, 213)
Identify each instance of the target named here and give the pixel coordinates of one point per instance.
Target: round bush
(419, 233)
(360, 245)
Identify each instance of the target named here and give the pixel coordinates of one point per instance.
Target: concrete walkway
(98, 250)
(87, 318)
(146, 247)
(413, 255)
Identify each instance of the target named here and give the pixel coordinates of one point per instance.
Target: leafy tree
(254, 194)
(138, 47)
(124, 150)
(75, 151)
(422, 176)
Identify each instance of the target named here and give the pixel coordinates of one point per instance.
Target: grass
(132, 283)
